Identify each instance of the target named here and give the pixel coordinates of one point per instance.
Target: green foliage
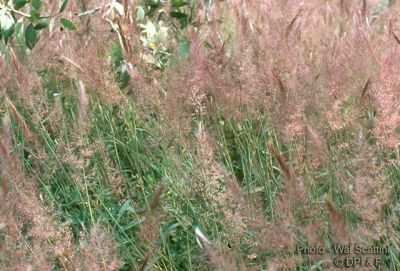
(107, 172)
(121, 142)
(36, 4)
(31, 36)
(42, 24)
(119, 66)
(13, 15)
(67, 24)
(244, 152)
(179, 3)
(18, 4)
(159, 28)
(182, 12)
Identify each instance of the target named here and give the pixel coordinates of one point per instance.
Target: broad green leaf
(7, 34)
(67, 24)
(35, 16)
(36, 4)
(178, 3)
(178, 15)
(140, 13)
(19, 3)
(153, 3)
(63, 5)
(42, 23)
(31, 36)
(182, 17)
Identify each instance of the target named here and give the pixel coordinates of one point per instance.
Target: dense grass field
(269, 143)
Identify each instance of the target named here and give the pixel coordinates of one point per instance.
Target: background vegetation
(198, 135)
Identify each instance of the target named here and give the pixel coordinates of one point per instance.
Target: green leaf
(63, 5)
(19, 3)
(116, 54)
(178, 15)
(178, 3)
(153, 3)
(7, 34)
(42, 23)
(120, 70)
(36, 4)
(67, 24)
(31, 36)
(35, 16)
(140, 13)
(182, 17)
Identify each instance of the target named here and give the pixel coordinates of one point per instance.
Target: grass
(77, 180)
(210, 145)
(107, 174)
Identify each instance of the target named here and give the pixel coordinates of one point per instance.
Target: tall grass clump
(198, 135)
